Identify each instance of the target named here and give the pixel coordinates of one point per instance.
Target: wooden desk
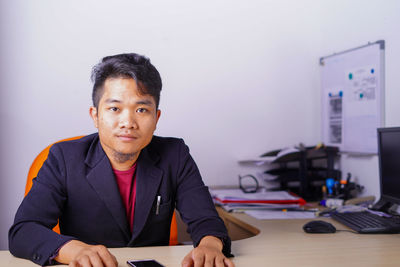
(284, 243)
(278, 243)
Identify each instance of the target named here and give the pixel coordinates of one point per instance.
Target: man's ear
(93, 115)
(158, 114)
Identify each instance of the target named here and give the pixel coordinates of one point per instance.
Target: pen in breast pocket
(158, 204)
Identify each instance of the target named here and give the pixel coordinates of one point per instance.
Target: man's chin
(124, 156)
(126, 152)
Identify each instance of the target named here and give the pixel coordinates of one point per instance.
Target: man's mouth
(126, 137)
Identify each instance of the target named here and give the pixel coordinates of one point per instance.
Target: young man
(120, 186)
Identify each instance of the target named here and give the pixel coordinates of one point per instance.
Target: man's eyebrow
(140, 102)
(110, 101)
(144, 102)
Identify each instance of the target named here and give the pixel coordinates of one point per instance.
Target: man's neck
(119, 161)
(122, 166)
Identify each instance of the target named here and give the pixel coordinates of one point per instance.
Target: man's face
(125, 119)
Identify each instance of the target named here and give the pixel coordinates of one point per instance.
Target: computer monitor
(389, 167)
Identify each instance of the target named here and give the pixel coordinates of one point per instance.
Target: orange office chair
(37, 164)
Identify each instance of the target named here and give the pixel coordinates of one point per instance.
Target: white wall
(240, 77)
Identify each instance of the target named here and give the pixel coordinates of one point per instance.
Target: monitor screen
(389, 163)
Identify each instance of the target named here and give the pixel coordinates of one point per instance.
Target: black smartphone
(145, 263)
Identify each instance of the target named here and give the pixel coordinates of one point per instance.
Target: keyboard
(368, 223)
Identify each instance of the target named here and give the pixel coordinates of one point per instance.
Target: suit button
(36, 257)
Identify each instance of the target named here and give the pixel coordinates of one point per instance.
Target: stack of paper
(235, 199)
(278, 214)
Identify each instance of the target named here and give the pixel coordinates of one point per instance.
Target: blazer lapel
(101, 178)
(148, 178)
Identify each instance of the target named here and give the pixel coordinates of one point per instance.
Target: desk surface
(279, 243)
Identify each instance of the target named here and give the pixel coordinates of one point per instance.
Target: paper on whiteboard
(335, 116)
(360, 109)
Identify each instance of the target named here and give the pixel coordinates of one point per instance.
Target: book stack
(237, 200)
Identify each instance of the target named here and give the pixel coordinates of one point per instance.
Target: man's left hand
(208, 254)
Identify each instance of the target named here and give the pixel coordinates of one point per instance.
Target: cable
(351, 231)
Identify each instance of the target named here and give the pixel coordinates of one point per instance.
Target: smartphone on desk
(145, 263)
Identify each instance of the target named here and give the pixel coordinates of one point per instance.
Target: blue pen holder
(330, 185)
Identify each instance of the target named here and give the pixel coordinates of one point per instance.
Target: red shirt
(126, 181)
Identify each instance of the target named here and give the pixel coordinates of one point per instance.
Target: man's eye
(141, 110)
(114, 109)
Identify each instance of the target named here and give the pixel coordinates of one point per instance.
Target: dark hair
(131, 65)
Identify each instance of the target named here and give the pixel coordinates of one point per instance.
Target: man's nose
(128, 120)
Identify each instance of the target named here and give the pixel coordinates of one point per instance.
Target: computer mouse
(319, 227)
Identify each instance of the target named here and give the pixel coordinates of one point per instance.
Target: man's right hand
(79, 254)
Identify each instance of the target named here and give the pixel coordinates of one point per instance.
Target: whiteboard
(352, 84)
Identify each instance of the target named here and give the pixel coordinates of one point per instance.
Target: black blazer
(77, 186)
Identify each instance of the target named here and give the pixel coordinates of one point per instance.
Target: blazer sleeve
(195, 205)
(31, 236)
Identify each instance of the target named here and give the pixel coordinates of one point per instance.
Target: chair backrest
(38, 163)
(173, 236)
